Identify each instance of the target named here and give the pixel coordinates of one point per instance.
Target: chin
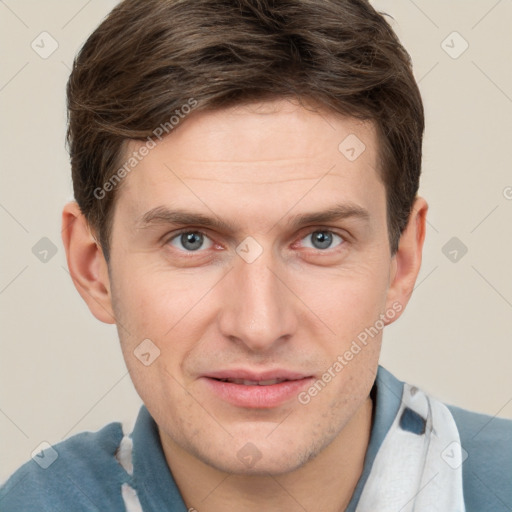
(261, 456)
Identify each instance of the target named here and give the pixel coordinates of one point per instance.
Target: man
(246, 176)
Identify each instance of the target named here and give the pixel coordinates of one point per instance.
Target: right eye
(189, 241)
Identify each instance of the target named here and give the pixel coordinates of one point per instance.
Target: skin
(296, 306)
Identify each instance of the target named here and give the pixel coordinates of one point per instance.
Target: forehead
(270, 152)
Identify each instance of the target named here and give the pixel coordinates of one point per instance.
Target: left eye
(190, 241)
(322, 239)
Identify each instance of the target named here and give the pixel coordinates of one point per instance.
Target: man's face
(258, 295)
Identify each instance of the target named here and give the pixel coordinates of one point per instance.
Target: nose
(258, 308)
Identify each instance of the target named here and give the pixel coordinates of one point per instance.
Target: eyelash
(313, 230)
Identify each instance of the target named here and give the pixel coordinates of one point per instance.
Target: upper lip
(256, 376)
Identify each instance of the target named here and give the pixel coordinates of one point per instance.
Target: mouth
(246, 382)
(256, 391)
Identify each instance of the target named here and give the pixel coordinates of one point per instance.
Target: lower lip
(258, 397)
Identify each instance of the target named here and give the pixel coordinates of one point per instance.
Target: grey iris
(195, 240)
(321, 239)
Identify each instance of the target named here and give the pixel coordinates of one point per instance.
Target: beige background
(61, 370)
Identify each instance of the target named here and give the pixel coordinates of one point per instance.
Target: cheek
(172, 310)
(152, 325)
(348, 300)
(154, 302)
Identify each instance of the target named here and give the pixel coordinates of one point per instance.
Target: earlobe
(407, 260)
(86, 263)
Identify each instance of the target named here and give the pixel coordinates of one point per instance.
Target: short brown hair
(148, 58)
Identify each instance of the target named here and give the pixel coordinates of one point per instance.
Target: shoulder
(487, 470)
(487, 441)
(80, 473)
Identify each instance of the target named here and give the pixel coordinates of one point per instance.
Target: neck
(325, 483)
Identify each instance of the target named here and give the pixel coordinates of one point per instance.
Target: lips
(253, 376)
(247, 382)
(259, 390)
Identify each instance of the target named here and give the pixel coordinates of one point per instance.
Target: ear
(405, 264)
(86, 263)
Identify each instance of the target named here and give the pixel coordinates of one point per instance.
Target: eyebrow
(163, 215)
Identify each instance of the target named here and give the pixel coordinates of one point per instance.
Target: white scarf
(414, 471)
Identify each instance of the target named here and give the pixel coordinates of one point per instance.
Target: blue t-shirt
(87, 476)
